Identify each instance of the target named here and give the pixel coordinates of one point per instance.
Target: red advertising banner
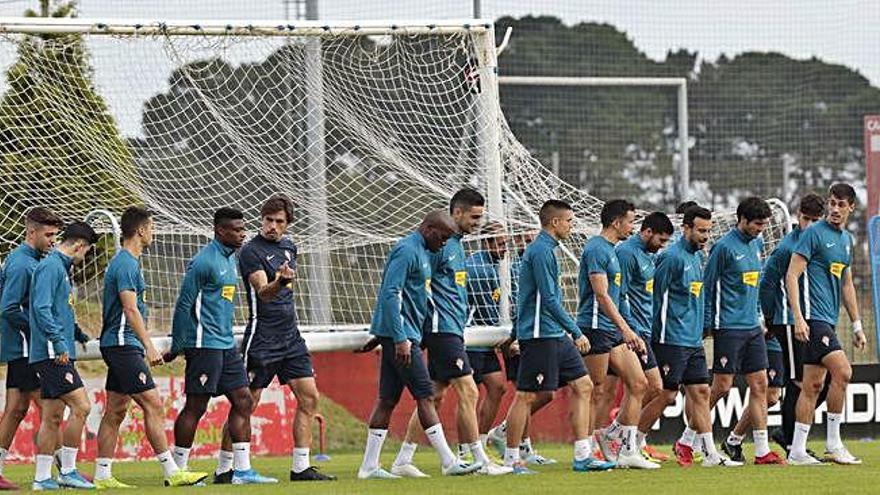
(872, 162)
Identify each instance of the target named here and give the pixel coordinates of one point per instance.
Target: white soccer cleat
(840, 455)
(720, 461)
(459, 468)
(407, 471)
(492, 469)
(805, 460)
(635, 461)
(376, 474)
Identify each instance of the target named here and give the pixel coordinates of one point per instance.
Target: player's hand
(169, 356)
(402, 352)
(582, 344)
(285, 272)
(801, 330)
(513, 349)
(62, 358)
(154, 357)
(368, 346)
(859, 340)
(633, 341)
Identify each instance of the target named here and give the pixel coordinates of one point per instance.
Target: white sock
(181, 457)
(762, 448)
(526, 445)
(406, 453)
(734, 439)
(628, 443)
(68, 459)
(300, 459)
(613, 430)
(583, 449)
(103, 468)
(642, 439)
(438, 441)
(708, 445)
(688, 437)
(463, 450)
(832, 438)
(225, 461)
(375, 439)
(168, 465)
(799, 440)
(3, 454)
(484, 439)
(511, 456)
(241, 456)
(476, 448)
(44, 467)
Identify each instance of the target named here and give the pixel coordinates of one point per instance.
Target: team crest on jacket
(69, 377)
(142, 377)
(459, 363)
(825, 340)
(203, 379)
(540, 378)
(723, 361)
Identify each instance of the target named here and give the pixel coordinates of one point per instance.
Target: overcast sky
(837, 31)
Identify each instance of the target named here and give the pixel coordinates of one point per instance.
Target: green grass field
(551, 479)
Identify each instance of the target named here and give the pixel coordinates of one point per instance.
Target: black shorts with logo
(21, 375)
(214, 372)
(548, 364)
(393, 376)
(57, 380)
(483, 363)
(127, 372)
(447, 357)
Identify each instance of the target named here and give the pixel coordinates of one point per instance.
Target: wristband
(857, 326)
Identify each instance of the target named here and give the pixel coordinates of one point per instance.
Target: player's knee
(758, 388)
(812, 388)
(81, 409)
(17, 412)
(639, 385)
(195, 407)
(495, 391)
(244, 404)
(308, 403)
(772, 396)
(583, 388)
(670, 396)
(842, 375)
(468, 392)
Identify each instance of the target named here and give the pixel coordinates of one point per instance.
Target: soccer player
(510, 354)
(272, 344)
(549, 359)
(783, 354)
(733, 313)
(400, 312)
(22, 383)
(612, 341)
(124, 345)
(202, 331)
(677, 335)
(484, 296)
(52, 355)
(824, 252)
(636, 257)
(448, 363)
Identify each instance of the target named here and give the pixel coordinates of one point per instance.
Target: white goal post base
(339, 339)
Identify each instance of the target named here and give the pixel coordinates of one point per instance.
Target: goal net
(366, 127)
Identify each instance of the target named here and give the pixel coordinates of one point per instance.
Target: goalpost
(365, 125)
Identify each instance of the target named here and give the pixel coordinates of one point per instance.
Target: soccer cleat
(654, 454)
(492, 469)
(807, 460)
(608, 446)
(734, 451)
(459, 468)
(57, 458)
(498, 441)
(720, 461)
(311, 473)
(592, 464)
(635, 461)
(537, 459)
(251, 477)
(224, 478)
(5, 484)
(376, 474)
(770, 458)
(187, 478)
(111, 483)
(407, 471)
(683, 454)
(75, 480)
(842, 456)
(520, 467)
(46, 484)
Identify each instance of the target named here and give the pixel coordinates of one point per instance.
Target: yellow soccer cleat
(185, 478)
(111, 483)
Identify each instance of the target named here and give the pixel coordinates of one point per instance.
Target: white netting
(365, 133)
